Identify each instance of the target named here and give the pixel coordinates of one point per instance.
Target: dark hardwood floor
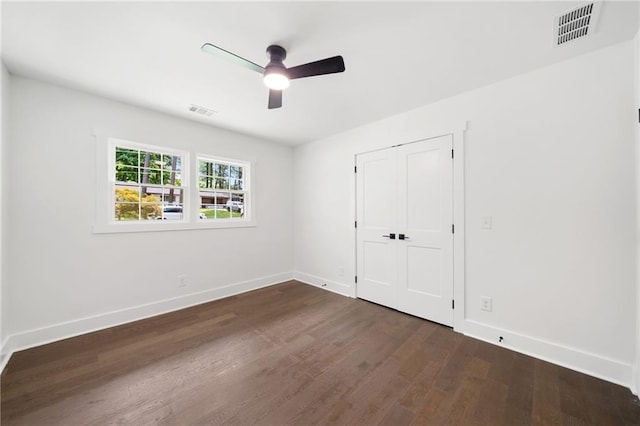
(294, 354)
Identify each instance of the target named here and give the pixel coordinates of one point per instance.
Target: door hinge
(453, 228)
(451, 153)
(356, 224)
(356, 279)
(453, 304)
(355, 169)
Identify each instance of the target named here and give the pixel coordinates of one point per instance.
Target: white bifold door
(405, 228)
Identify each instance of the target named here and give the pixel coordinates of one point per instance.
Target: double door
(404, 228)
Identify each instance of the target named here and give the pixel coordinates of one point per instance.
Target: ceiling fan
(275, 75)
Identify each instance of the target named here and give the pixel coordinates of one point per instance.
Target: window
(142, 187)
(147, 183)
(223, 188)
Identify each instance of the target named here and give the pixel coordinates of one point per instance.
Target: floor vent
(201, 110)
(577, 23)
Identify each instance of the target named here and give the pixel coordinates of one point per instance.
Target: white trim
(113, 144)
(151, 226)
(635, 379)
(247, 190)
(575, 359)
(4, 358)
(36, 337)
(459, 222)
(333, 286)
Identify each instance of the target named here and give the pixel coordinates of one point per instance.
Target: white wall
(4, 116)
(550, 156)
(66, 280)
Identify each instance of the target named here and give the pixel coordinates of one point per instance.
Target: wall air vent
(576, 23)
(201, 110)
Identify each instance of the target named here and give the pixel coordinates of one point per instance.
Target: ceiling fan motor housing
(276, 55)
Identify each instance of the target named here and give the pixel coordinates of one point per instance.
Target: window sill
(116, 228)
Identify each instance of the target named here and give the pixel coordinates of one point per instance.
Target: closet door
(404, 236)
(376, 221)
(424, 216)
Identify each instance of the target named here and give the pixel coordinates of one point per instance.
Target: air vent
(577, 23)
(201, 110)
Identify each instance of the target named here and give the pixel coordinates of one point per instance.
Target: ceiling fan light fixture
(276, 79)
(275, 75)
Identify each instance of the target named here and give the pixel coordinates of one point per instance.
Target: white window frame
(105, 178)
(246, 182)
(113, 144)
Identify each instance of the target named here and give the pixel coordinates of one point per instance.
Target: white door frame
(457, 131)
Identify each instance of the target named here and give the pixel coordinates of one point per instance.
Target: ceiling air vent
(577, 23)
(201, 110)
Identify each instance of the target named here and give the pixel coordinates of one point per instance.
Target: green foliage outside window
(129, 205)
(145, 167)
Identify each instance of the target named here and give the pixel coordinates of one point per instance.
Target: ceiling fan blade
(275, 98)
(220, 52)
(321, 67)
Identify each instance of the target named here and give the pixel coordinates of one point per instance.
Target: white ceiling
(398, 56)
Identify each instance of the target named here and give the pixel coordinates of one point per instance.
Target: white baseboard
(592, 364)
(44, 335)
(324, 284)
(575, 359)
(4, 357)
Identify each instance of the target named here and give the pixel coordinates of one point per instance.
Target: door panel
(378, 185)
(424, 262)
(423, 196)
(376, 255)
(425, 212)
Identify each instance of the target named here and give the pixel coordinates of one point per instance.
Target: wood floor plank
(295, 354)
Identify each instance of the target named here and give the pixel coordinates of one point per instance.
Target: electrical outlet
(182, 280)
(485, 303)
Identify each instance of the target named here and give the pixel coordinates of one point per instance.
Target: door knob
(390, 236)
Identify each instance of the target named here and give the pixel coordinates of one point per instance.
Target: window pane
(150, 159)
(171, 162)
(222, 183)
(127, 157)
(205, 182)
(151, 176)
(172, 212)
(172, 178)
(170, 196)
(236, 172)
(205, 168)
(126, 174)
(151, 194)
(221, 170)
(207, 205)
(236, 184)
(126, 211)
(236, 205)
(127, 194)
(150, 211)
